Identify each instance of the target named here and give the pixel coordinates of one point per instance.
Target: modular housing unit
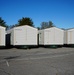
(23, 36)
(69, 36)
(2, 36)
(51, 37)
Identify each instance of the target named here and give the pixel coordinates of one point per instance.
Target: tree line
(26, 21)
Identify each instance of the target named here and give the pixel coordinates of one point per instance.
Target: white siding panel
(59, 36)
(20, 36)
(49, 37)
(70, 36)
(31, 36)
(2, 36)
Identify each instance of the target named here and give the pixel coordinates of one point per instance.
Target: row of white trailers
(30, 36)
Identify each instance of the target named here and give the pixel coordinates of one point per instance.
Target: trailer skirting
(69, 45)
(2, 47)
(51, 46)
(26, 46)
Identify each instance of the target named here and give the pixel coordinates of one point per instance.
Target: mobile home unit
(23, 36)
(69, 37)
(51, 37)
(2, 36)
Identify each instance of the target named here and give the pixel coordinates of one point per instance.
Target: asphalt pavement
(37, 61)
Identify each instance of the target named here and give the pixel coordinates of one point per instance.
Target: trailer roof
(70, 28)
(52, 27)
(24, 26)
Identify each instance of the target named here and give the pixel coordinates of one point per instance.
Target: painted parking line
(7, 63)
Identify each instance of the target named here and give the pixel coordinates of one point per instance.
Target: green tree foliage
(51, 24)
(38, 28)
(45, 25)
(25, 21)
(2, 22)
(12, 26)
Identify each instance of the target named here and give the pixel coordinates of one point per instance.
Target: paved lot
(40, 61)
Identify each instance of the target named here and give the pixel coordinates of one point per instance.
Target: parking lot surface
(37, 61)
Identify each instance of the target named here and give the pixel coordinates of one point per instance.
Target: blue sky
(60, 12)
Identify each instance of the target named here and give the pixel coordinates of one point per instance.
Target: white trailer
(69, 36)
(2, 36)
(23, 36)
(51, 37)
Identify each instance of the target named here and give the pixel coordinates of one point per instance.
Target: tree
(11, 26)
(25, 21)
(45, 25)
(51, 24)
(38, 28)
(2, 22)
